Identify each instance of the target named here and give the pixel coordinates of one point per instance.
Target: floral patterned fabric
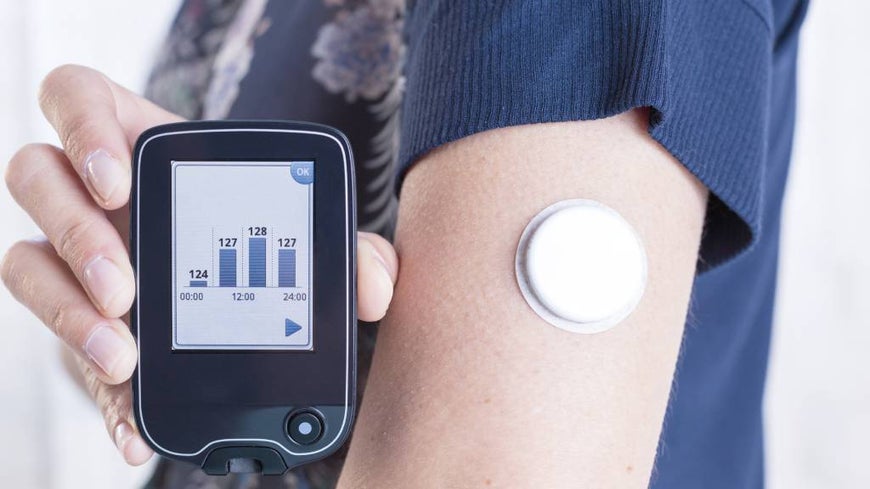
(337, 62)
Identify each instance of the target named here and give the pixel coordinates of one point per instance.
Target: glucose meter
(243, 240)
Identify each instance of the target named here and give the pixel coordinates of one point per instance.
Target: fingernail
(386, 278)
(132, 447)
(104, 281)
(108, 349)
(104, 173)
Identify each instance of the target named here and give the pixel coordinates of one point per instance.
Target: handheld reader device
(243, 241)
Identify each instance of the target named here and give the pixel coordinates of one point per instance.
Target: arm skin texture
(469, 388)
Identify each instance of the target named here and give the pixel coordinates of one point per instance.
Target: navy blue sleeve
(702, 66)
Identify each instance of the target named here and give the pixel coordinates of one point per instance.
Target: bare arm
(469, 387)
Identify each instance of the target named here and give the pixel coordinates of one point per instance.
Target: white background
(818, 405)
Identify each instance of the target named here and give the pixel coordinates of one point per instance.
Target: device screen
(241, 260)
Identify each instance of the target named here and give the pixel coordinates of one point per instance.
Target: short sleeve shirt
(402, 77)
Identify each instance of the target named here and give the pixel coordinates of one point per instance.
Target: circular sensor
(581, 266)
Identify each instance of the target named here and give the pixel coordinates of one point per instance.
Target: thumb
(378, 267)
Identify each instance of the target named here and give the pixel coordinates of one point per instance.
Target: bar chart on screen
(260, 257)
(242, 241)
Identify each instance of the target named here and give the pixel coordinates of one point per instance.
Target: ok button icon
(302, 171)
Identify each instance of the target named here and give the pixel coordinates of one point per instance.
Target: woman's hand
(79, 281)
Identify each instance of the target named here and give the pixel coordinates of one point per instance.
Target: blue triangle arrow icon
(290, 327)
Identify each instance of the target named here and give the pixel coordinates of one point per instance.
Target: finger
(378, 268)
(97, 122)
(116, 405)
(41, 181)
(38, 278)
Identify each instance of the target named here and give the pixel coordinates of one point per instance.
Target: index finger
(97, 122)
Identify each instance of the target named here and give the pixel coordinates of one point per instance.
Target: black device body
(229, 410)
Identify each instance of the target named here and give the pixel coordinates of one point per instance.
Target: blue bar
(227, 267)
(199, 283)
(287, 267)
(256, 262)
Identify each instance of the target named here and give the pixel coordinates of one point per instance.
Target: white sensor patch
(581, 266)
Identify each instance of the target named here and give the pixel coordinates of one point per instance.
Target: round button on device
(305, 428)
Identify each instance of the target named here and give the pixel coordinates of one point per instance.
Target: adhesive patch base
(581, 266)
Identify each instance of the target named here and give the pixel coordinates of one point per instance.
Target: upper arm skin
(469, 387)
